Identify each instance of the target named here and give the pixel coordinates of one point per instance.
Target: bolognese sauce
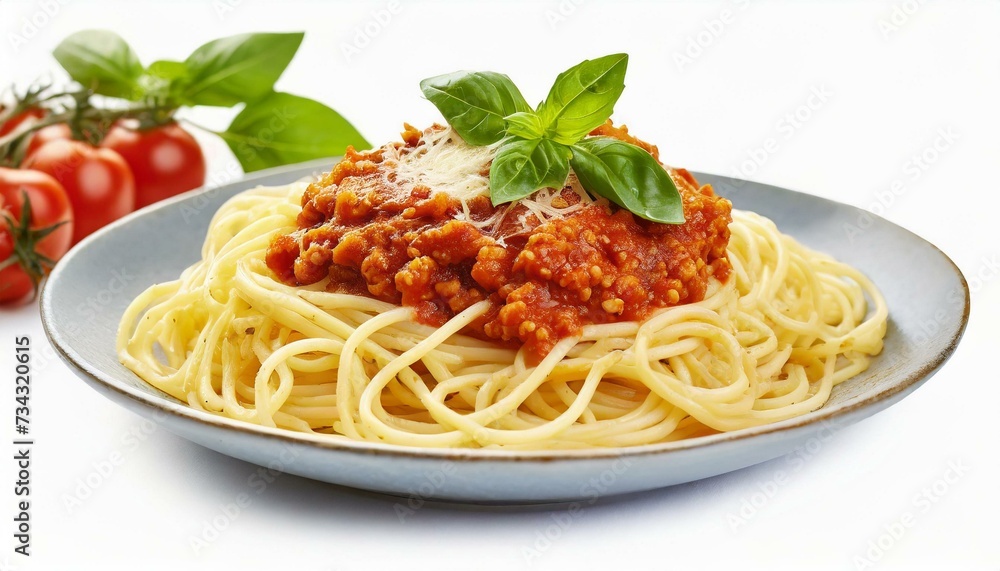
(546, 272)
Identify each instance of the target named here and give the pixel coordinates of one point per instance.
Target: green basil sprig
(272, 129)
(624, 174)
(538, 146)
(583, 98)
(522, 166)
(475, 103)
(240, 68)
(101, 61)
(281, 128)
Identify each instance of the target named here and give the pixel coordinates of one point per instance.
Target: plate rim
(99, 379)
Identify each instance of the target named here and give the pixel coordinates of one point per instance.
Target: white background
(896, 74)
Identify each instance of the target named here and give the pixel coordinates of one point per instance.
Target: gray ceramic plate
(927, 295)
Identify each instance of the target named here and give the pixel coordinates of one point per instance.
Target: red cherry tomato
(14, 122)
(98, 182)
(28, 248)
(166, 160)
(46, 135)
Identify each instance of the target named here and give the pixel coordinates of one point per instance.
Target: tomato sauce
(545, 279)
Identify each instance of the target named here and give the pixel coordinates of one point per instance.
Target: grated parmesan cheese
(444, 162)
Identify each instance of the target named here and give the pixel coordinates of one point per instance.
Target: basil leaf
(281, 129)
(166, 69)
(239, 68)
(583, 97)
(628, 176)
(163, 81)
(475, 103)
(525, 124)
(101, 61)
(523, 166)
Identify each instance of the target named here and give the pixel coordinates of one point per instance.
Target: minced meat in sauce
(545, 279)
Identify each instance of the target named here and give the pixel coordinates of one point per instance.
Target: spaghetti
(766, 344)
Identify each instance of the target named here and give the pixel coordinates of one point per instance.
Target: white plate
(928, 309)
